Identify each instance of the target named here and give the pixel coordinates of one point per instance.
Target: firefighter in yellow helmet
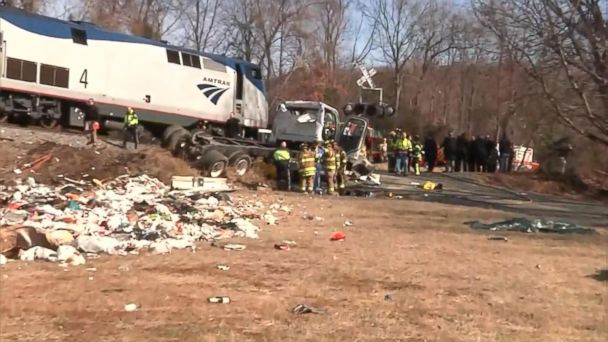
(307, 169)
(329, 165)
(341, 160)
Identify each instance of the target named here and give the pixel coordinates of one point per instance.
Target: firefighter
(130, 127)
(329, 165)
(281, 159)
(341, 160)
(318, 151)
(417, 152)
(307, 169)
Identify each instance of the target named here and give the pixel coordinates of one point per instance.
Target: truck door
(352, 136)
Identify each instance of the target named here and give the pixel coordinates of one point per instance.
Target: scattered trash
(69, 255)
(223, 267)
(91, 269)
(538, 266)
(301, 309)
(121, 216)
(289, 242)
(388, 297)
(3, 260)
(234, 247)
(497, 238)
(200, 184)
(17, 171)
(270, 219)
(219, 300)
(130, 307)
(282, 246)
(429, 186)
(347, 223)
(337, 236)
(532, 226)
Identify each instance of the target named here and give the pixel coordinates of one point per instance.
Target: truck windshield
(352, 135)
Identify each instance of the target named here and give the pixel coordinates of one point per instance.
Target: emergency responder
(403, 147)
(281, 159)
(307, 169)
(329, 165)
(390, 149)
(91, 120)
(318, 152)
(130, 127)
(341, 160)
(417, 154)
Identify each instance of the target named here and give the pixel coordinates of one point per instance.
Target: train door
(238, 96)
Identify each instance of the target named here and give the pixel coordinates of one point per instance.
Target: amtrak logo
(212, 91)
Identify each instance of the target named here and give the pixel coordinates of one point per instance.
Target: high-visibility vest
(417, 150)
(329, 159)
(281, 154)
(131, 119)
(403, 145)
(307, 164)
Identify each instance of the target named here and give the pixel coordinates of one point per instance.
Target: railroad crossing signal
(367, 77)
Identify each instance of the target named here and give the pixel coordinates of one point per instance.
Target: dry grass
(447, 284)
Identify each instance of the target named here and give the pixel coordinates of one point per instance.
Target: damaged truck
(294, 122)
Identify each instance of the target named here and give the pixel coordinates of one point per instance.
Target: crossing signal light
(369, 109)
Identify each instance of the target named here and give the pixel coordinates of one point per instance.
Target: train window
(210, 64)
(79, 36)
(256, 73)
(191, 60)
(54, 76)
(18, 69)
(196, 62)
(173, 57)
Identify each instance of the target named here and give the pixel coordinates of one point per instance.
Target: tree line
(536, 70)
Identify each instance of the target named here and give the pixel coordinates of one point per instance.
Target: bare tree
(564, 49)
(397, 36)
(331, 16)
(34, 6)
(201, 23)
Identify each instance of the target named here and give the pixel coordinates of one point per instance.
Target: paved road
(465, 189)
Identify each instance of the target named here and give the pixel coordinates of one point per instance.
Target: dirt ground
(443, 282)
(71, 157)
(407, 271)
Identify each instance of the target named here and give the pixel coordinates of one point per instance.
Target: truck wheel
(168, 132)
(176, 139)
(213, 163)
(241, 163)
(48, 122)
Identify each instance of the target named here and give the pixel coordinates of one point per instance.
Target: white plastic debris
(270, 219)
(130, 307)
(70, 255)
(100, 244)
(3, 259)
(246, 228)
(38, 253)
(59, 238)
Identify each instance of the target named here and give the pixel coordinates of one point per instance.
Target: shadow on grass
(600, 275)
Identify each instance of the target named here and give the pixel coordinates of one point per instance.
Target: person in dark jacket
(506, 150)
(492, 154)
(430, 152)
(233, 126)
(450, 150)
(481, 154)
(462, 143)
(91, 120)
(471, 154)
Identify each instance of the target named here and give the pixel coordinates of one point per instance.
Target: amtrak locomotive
(50, 67)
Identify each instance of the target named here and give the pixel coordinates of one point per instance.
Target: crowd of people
(460, 153)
